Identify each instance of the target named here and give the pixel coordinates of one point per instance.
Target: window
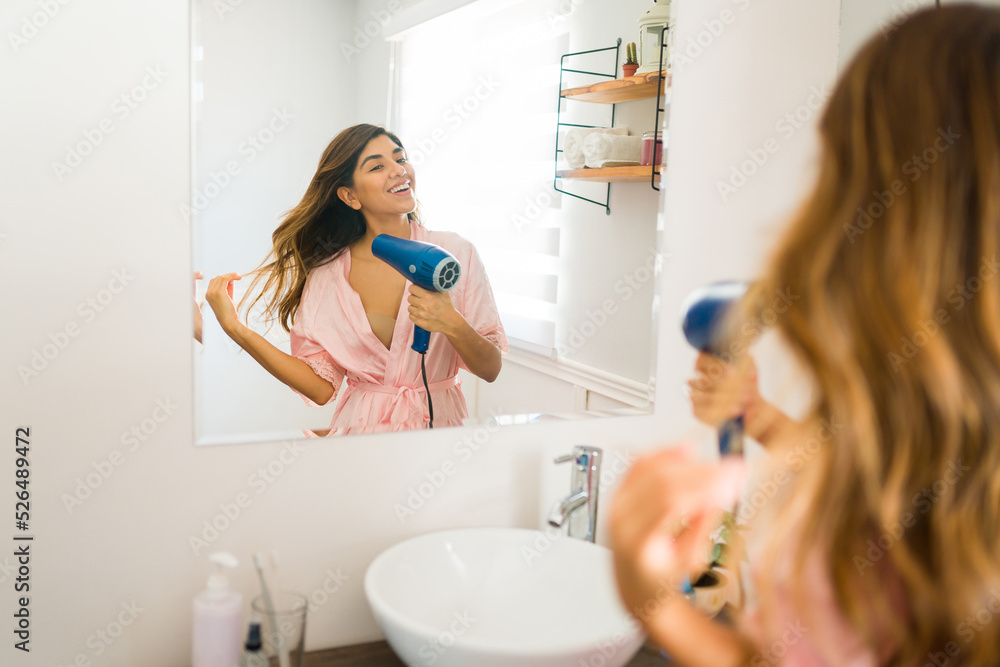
(473, 98)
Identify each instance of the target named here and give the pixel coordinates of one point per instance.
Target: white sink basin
(499, 597)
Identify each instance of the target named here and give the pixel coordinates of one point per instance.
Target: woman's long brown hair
(318, 229)
(893, 262)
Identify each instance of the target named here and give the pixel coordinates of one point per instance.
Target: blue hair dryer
(703, 318)
(424, 264)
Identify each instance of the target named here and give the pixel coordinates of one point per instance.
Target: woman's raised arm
(292, 371)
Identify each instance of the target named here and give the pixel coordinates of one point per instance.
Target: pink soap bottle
(218, 619)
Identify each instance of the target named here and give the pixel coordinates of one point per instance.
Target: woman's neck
(398, 226)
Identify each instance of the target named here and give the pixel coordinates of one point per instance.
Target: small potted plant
(631, 60)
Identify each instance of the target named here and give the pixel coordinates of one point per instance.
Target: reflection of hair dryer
(704, 324)
(424, 264)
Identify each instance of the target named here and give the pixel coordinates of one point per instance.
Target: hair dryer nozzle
(704, 312)
(424, 264)
(704, 323)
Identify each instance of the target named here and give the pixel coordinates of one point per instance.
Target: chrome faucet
(584, 488)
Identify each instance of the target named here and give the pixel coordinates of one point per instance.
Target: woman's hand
(219, 296)
(197, 307)
(432, 311)
(662, 519)
(721, 391)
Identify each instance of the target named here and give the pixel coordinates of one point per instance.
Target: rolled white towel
(603, 150)
(573, 143)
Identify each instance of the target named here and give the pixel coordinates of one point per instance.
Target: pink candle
(652, 149)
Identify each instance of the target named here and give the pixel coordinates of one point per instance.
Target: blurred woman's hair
(318, 229)
(895, 485)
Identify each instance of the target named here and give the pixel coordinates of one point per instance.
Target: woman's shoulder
(327, 269)
(321, 277)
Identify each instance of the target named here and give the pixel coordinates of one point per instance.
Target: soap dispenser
(218, 619)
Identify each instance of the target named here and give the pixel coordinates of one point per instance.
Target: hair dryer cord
(430, 405)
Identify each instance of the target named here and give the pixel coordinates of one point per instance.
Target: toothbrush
(258, 560)
(686, 589)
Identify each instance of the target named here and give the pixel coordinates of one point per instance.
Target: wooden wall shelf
(640, 87)
(611, 92)
(609, 174)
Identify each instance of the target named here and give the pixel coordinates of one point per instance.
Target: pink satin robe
(384, 390)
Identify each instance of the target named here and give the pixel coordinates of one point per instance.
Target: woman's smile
(402, 189)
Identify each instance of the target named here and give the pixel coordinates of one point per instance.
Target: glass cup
(284, 631)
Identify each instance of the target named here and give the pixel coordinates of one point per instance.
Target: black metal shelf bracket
(559, 124)
(656, 124)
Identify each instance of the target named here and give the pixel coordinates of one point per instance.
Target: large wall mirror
(471, 87)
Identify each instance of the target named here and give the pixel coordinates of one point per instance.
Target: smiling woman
(344, 308)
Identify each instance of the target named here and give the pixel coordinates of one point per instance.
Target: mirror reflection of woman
(351, 315)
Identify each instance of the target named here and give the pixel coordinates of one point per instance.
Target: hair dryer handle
(731, 437)
(421, 339)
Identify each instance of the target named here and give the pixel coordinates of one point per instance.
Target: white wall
(331, 506)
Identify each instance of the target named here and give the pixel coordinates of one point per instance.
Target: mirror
(471, 89)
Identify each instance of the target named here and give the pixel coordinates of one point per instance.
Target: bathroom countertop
(378, 654)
